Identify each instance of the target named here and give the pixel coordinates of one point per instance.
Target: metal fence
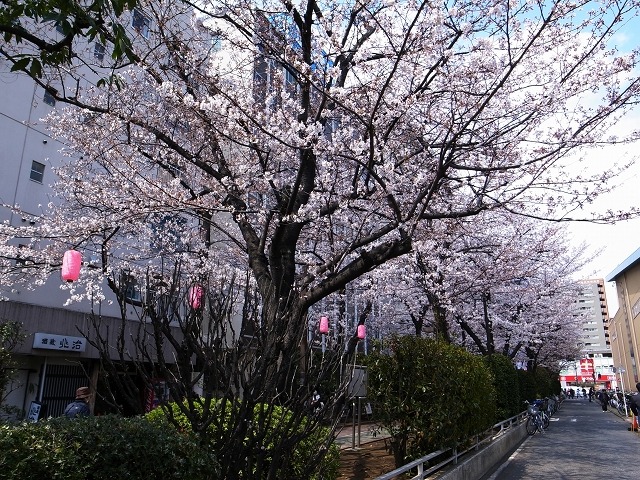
(435, 461)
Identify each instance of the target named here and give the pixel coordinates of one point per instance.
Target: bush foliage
(429, 394)
(273, 421)
(506, 384)
(101, 448)
(539, 383)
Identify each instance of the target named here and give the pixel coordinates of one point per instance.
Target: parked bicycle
(617, 401)
(552, 405)
(543, 405)
(535, 422)
(375, 430)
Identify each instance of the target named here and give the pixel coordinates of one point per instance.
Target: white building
(56, 357)
(595, 367)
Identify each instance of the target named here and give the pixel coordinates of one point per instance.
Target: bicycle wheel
(545, 420)
(531, 426)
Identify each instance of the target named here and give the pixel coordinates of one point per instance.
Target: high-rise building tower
(595, 367)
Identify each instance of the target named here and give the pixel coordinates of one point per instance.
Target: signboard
(358, 382)
(573, 378)
(586, 367)
(50, 341)
(34, 412)
(157, 394)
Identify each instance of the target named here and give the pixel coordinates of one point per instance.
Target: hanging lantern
(71, 263)
(324, 325)
(195, 296)
(362, 332)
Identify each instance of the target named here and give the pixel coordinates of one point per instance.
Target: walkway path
(581, 443)
(369, 432)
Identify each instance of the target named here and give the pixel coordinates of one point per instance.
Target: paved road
(581, 443)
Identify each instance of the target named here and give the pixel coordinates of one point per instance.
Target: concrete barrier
(481, 462)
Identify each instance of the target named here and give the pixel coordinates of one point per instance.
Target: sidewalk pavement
(368, 432)
(581, 443)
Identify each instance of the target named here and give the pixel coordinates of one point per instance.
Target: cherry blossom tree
(522, 293)
(373, 119)
(496, 283)
(308, 143)
(356, 141)
(11, 336)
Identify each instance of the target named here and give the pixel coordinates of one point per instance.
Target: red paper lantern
(195, 296)
(324, 325)
(71, 263)
(362, 331)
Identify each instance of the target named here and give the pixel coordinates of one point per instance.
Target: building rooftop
(629, 262)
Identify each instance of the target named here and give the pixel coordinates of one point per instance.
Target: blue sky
(610, 245)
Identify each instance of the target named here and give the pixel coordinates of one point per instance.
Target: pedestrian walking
(634, 404)
(80, 406)
(603, 396)
(592, 393)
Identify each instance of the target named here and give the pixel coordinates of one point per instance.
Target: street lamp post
(624, 397)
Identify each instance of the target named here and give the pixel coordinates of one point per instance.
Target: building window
(48, 98)
(140, 23)
(87, 117)
(289, 77)
(130, 288)
(98, 51)
(255, 200)
(37, 171)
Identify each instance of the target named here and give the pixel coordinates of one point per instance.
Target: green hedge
(429, 394)
(101, 448)
(277, 427)
(508, 400)
(539, 383)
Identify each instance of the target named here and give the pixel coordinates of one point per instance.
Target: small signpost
(34, 411)
(357, 389)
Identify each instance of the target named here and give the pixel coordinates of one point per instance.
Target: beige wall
(624, 328)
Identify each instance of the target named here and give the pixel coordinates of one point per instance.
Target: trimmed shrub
(275, 423)
(540, 383)
(527, 385)
(547, 381)
(101, 448)
(505, 376)
(429, 394)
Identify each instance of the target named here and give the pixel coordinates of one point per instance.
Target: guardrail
(451, 455)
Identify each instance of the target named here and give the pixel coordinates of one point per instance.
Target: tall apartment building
(596, 366)
(625, 325)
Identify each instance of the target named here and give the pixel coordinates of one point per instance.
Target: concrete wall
(488, 457)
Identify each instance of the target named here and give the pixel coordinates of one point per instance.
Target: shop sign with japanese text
(50, 341)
